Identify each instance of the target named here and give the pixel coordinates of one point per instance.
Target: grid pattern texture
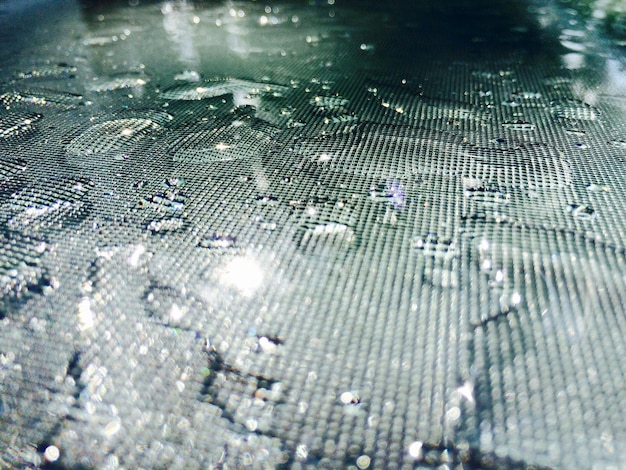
(238, 235)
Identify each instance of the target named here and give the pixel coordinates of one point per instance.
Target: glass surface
(299, 235)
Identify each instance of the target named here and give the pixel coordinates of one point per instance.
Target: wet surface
(323, 235)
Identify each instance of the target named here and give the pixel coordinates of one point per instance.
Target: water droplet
(243, 273)
(42, 98)
(435, 247)
(52, 453)
(440, 256)
(174, 184)
(188, 76)
(11, 167)
(519, 125)
(100, 40)
(520, 166)
(212, 89)
(557, 82)
(415, 450)
(170, 202)
(573, 60)
(45, 71)
(512, 103)
(598, 188)
(168, 307)
(575, 131)
(489, 75)
(488, 196)
(165, 210)
(446, 112)
(112, 136)
(494, 260)
(443, 276)
(581, 211)
(51, 203)
(267, 200)
(332, 109)
(340, 118)
(164, 203)
(21, 273)
(121, 81)
(574, 110)
(349, 398)
(216, 241)
(526, 95)
(357, 151)
(224, 140)
(265, 220)
(352, 405)
(325, 238)
(166, 224)
(293, 123)
(328, 102)
(510, 301)
(392, 192)
(269, 345)
(363, 462)
(397, 152)
(17, 125)
(573, 40)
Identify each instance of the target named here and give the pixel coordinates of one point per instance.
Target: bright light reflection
(244, 274)
(133, 259)
(573, 60)
(415, 450)
(86, 319)
(467, 391)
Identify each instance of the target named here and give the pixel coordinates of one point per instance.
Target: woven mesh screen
(326, 235)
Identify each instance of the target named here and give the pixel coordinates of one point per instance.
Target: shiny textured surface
(325, 235)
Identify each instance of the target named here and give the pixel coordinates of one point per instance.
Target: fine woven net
(325, 235)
